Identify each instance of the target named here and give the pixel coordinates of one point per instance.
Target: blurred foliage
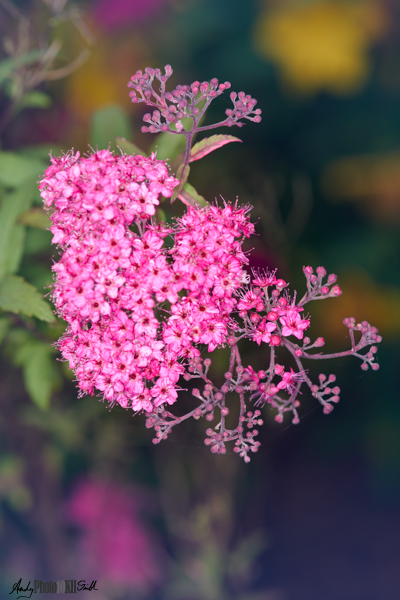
(322, 174)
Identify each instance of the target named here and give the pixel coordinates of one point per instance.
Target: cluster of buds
(269, 316)
(186, 101)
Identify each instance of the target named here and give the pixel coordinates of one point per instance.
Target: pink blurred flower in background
(115, 545)
(115, 14)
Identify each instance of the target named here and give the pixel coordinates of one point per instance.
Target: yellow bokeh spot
(320, 45)
(373, 181)
(362, 299)
(102, 80)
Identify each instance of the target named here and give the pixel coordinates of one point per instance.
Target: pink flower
(164, 391)
(293, 324)
(290, 380)
(263, 332)
(112, 276)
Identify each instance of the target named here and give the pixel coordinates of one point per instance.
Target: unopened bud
(332, 279)
(336, 291)
(275, 340)
(308, 271)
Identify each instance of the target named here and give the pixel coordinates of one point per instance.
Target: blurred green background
(83, 492)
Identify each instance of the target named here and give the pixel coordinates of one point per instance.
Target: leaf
(17, 295)
(169, 145)
(182, 174)
(15, 169)
(187, 123)
(108, 123)
(128, 147)
(189, 196)
(210, 144)
(14, 203)
(35, 217)
(41, 375)
(17, 239)
(4, 327)
(8, 65)
(41, 151)
(35, 99)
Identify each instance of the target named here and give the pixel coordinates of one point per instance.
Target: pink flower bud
(336, 291)
(308, 271)
(275, 340)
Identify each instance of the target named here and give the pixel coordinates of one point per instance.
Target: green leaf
(210, 144)
(17, 239)
(41, 151)
(8, 65)
(4, 327)
(189, 196)
(17, 295)
(169, 145)
(41, 375)
(14, 203)
(15, 169)
(182, 174)
(108, 123)
(128, 147)
(35, 217)
(187, 123)
(35, 99)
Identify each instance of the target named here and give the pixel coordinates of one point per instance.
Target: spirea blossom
(115, 274)
(139, 311)
(142, 300)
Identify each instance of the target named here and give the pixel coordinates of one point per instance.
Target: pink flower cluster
(135, 308)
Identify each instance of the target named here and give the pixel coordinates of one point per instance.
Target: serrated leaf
(168, 145)
(210, 144)
(189, 196)
(13, 204)
(17, 295)
(9, 64)
(35, 99)
(40, 374)
(35, 217)
(16, 250)
(182, 174)
(108, 123)
(128, 147)
(15, 169)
